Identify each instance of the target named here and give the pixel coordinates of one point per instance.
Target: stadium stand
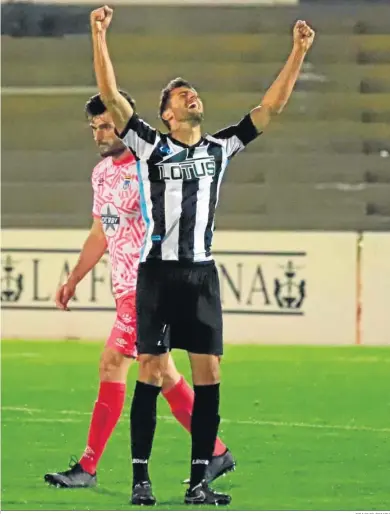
(324, 164)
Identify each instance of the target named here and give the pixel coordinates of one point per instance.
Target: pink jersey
(116, 202)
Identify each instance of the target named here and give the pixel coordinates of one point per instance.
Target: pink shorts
(123, 335)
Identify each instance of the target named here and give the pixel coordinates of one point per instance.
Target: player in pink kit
(118, 226)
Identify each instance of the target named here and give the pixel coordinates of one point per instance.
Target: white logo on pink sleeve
(116, 202)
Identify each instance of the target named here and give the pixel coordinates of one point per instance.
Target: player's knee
(113, 366)
(171, 376)
(213, 375)
(152, 368)
(205, 369)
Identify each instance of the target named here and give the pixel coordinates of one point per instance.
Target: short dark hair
(166, 92)
(96, 107)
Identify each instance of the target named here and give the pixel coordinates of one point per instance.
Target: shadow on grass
(108, 492)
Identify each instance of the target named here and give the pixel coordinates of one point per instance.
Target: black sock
(204, 429)
(143, 424)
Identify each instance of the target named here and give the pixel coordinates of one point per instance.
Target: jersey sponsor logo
(110, 219)
(191, 169)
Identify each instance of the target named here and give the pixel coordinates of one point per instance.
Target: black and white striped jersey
(179, 187)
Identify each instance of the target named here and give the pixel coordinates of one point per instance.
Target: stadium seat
(323, 164)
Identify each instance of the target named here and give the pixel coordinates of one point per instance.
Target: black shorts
(178, 306)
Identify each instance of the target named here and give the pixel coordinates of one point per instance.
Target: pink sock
(105, 416)
(181, 401)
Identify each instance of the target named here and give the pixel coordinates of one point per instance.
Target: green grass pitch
(309, 427)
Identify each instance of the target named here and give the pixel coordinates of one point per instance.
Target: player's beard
(195, 118)
(112, 151)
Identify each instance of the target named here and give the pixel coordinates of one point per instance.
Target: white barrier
(285, 287)
(376, 288)
(288, 287)
(34, 263)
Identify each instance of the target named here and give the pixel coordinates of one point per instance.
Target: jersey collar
(183, 145)
(128, 158)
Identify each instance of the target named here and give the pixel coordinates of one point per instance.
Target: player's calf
(205, 417)
(107, 410)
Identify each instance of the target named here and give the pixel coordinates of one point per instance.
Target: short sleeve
(95, 202)
(236, 137)
(139, 137)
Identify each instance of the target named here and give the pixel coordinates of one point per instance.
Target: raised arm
(280, 91)
(119, 108)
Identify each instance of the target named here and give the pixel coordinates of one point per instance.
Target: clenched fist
(101, 18)
(303, 35)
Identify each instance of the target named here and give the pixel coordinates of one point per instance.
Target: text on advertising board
(265, 283)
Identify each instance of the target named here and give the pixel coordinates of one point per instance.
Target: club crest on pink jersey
(126, 183)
